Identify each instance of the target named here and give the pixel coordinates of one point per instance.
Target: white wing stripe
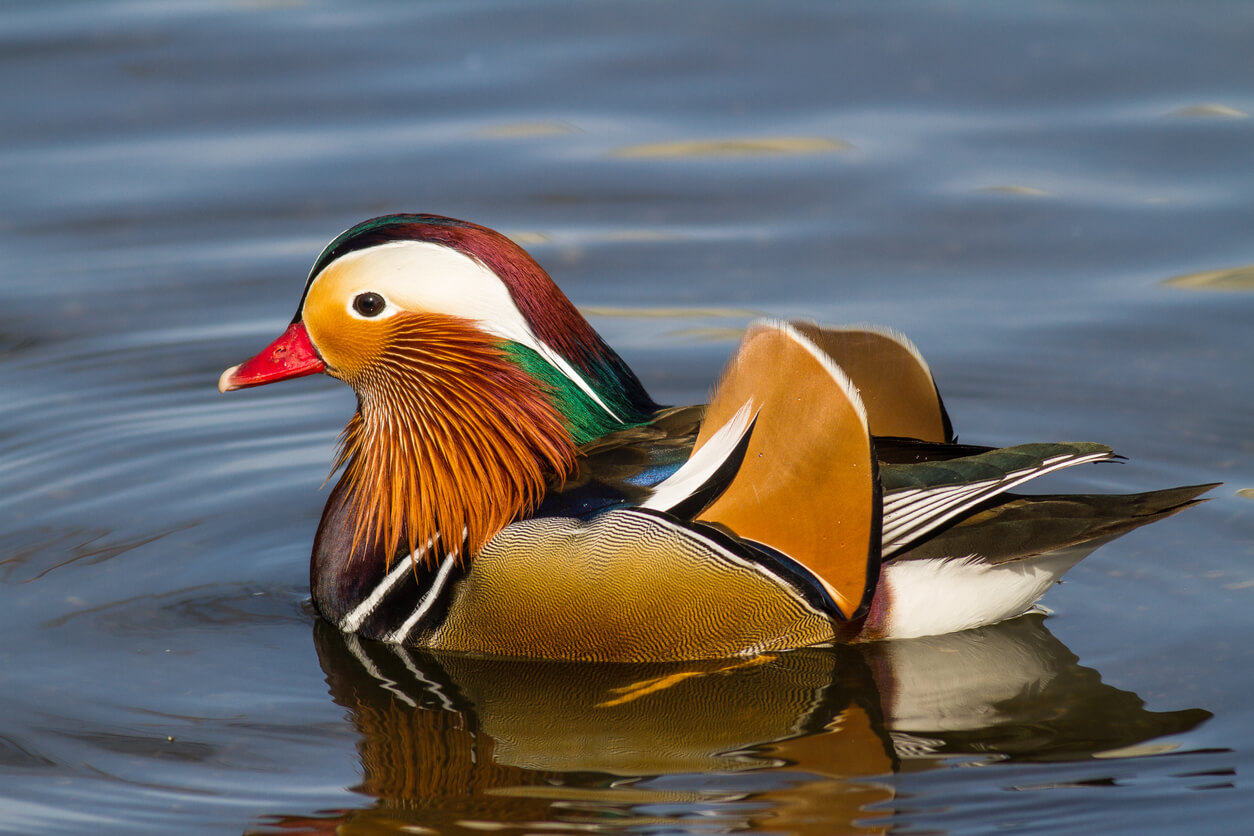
(702, 464)
(905, 521)
(919, 512)
(895, 501)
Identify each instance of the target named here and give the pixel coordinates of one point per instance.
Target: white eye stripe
(424, 276)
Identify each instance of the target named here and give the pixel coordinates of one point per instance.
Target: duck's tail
(1014, 527)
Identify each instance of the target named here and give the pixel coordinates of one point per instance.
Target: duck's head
(475, 376)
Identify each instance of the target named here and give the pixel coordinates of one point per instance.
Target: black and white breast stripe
(409, 600)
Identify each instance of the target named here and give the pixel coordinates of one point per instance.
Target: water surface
(1020, 189)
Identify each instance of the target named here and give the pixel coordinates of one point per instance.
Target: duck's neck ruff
(450, 443)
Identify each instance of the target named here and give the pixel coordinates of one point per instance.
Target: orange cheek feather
(450, 438)
(349, 346)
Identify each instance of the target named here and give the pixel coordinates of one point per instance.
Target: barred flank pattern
(626, 586)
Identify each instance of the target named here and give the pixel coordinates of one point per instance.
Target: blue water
(1014, 186)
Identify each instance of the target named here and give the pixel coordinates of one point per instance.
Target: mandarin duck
(510, 488)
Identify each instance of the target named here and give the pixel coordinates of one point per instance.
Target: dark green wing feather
(921, 498)
(1013, 527)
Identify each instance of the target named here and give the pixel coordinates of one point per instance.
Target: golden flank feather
(451, 441)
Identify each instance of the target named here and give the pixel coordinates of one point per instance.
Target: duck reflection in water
(804, 740)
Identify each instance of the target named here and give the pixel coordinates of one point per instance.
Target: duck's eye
(369, 304)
